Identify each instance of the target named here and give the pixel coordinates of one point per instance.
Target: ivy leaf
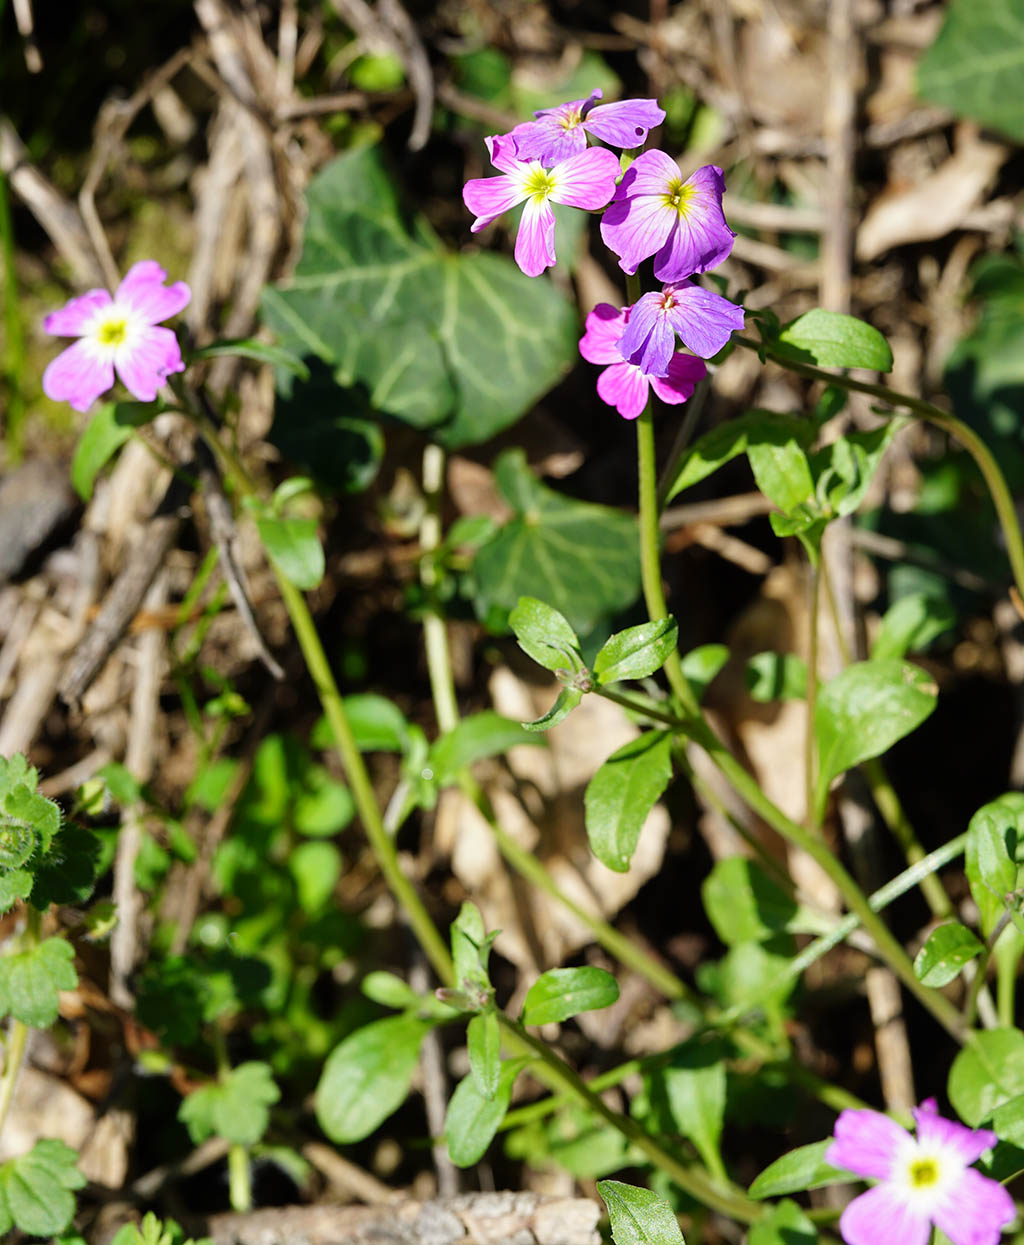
(580, 558)
(863, 711)
(111, 426)
(473, 1118)
(35, 1189)
(460, 343)
(976, 65)
(638, 1216)
(367, 1077)
(294, 546)
(236, 1108)
(30, 981)
(831, 339)
(561, 993)
(622, 793)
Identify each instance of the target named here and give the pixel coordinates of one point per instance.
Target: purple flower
(922, 1180)
(702, 319)
(680, 223)
(623, 385)
(585, 180)
(118, 332)
(562, 131)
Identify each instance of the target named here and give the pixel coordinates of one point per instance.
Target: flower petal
(883, 1215)
(648, 341)
(684, 372)
(967, 1144)
(489, 197)
(976, 1211)
(636, 228)
(868, 1143)
(586, 180)
(624, 124)
(535, 243)
(704, 320)
(548, 139)
(651, 173)
(144, 362)
(79, 375)
(604, 325)
(700, 238)
(143, 290)
(625, 387)
(73, 318)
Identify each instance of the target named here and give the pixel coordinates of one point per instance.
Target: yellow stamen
(112, 332)
(539, 184)
(679, 195)
(924, 1173)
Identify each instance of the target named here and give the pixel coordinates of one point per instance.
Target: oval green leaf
(947, 950)
(831, 339)
(563, 992)
(622, 793)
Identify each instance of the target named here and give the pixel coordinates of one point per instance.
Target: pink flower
(680, 223)
(562, 131)
(704, 321)
(922, 1180)
(585, 180)
(623, 385)
(118, 332)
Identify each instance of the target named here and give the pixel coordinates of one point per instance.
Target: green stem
(239, 1179)
(692, 1180)
(1002, 498)
(381, 843)
(811, 817)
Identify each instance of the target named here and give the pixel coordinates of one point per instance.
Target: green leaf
(800, 1169)
(471, 950)
(622, 793)
(543, 634)
(316, 868)
(237, 1108)
(995, 845)
(636, 652)
(389, 991)
(321, 805)
(67, 873)
(111, 426)
(1008, 1121)
(863, 711)
(695, 1084)
(717, 447)
(462, 343)
(35, 1189)
(15, 884)
(638, 1216)
(948, 948)
(376, 722)
(367, 1077)
(473, 1118)
(31, 979)
(780, 466)
(250, 348)
(561, 993)
(483, 1040)
(785, 1224)
(976, 65)
(910, 624)
(844, 469)
(701, 664)
(580, 558)
(480, 735)
(744, 904)
(567, 700)
(986, 1074)
(776, 676)
(294, 546)
(830, 339)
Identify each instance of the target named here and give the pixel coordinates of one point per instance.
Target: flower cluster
(649, 210)
(922, 1180)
